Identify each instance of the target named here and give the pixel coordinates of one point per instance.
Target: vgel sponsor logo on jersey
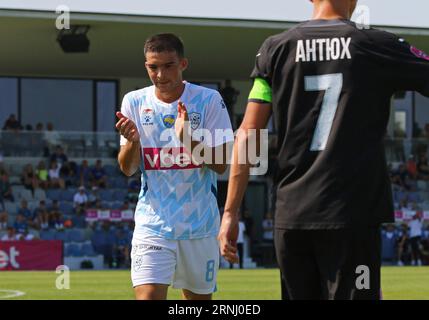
(173, 158)
(315, 50)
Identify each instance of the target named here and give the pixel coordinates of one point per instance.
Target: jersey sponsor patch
(419, 53)
(174, 158)
(148, 116)
(195, 119)
(169, 120)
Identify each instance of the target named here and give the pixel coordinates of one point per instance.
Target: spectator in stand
(125, 205)
(68, 175)
(57, 221)
(403, 245)
(26, 212)
(59, 156)
(122, 249)
(55, 180)
(3, 220)
(80, 199)
(26, 236)
(12, 124)
(94, 196)
(54, 208)
(5, 188)
(39, 126)
(268, 228)
(404, 177)
(98, 175)
(78, 219)
(423, 167)
(416, 230)
(412, 167)
(29, 178)
(84, 174)
(51, 136)
(20, 224)
(10, 235)
(389, 243)
(42, 175)
(41, 216)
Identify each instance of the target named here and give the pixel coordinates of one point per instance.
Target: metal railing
(75, 144)
(106, 144)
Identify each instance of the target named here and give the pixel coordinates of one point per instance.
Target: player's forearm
(238, 177)
(129, 158)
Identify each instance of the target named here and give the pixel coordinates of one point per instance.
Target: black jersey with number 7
(332, 84)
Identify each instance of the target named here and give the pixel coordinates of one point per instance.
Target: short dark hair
(164, 42)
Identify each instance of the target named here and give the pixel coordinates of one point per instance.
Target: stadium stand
(98, 239)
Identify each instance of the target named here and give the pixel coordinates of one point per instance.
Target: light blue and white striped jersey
(178, 198)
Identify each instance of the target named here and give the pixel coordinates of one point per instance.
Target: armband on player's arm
(261, 91)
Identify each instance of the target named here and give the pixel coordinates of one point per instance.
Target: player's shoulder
(134, 96)
(200, 92)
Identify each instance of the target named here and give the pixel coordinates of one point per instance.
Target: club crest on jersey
(419, 53)
(148, 116)
(195, 120)
(169, 120)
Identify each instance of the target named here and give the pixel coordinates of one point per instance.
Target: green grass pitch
(398, 283)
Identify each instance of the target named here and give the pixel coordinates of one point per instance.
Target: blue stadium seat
(66, 208)
(111, 170)
(414, 197)
(53, 194)
(116, 204)
(120, 194)
(88, 249)
(73, 250)
(47, 235)
(61, 235)
(121, 183)
(106, 195)
(67, 195)
(10, 207)
(75, 235)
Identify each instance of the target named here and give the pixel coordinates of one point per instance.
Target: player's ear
(184, 64)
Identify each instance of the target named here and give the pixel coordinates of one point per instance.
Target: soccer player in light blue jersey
(171, 131)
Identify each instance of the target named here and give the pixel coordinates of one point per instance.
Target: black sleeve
(407, 66)
(263, 62)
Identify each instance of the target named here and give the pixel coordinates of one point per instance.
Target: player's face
(165, 70)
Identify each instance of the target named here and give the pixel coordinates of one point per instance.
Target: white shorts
(184, 264)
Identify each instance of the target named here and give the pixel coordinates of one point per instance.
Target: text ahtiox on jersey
(314, 50)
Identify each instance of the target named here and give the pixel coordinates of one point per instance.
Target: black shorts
(338, 264)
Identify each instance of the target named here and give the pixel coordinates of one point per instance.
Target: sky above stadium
(410, 13)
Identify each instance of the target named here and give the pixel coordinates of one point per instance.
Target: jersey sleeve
(126, 111)
(407, 66)
(263, 63)
(217, 122)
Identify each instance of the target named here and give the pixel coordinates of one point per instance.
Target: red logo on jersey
(176, 158)
(419, 53)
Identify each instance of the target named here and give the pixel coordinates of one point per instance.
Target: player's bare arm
(256, 117)
(129, 155)
(182, 129)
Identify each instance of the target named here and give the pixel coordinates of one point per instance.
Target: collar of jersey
(160, 102)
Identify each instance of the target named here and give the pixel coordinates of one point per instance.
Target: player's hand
(127, 128)
(181, 125)
(227, 237)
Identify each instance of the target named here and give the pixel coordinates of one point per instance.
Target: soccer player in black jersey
(328, 84)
